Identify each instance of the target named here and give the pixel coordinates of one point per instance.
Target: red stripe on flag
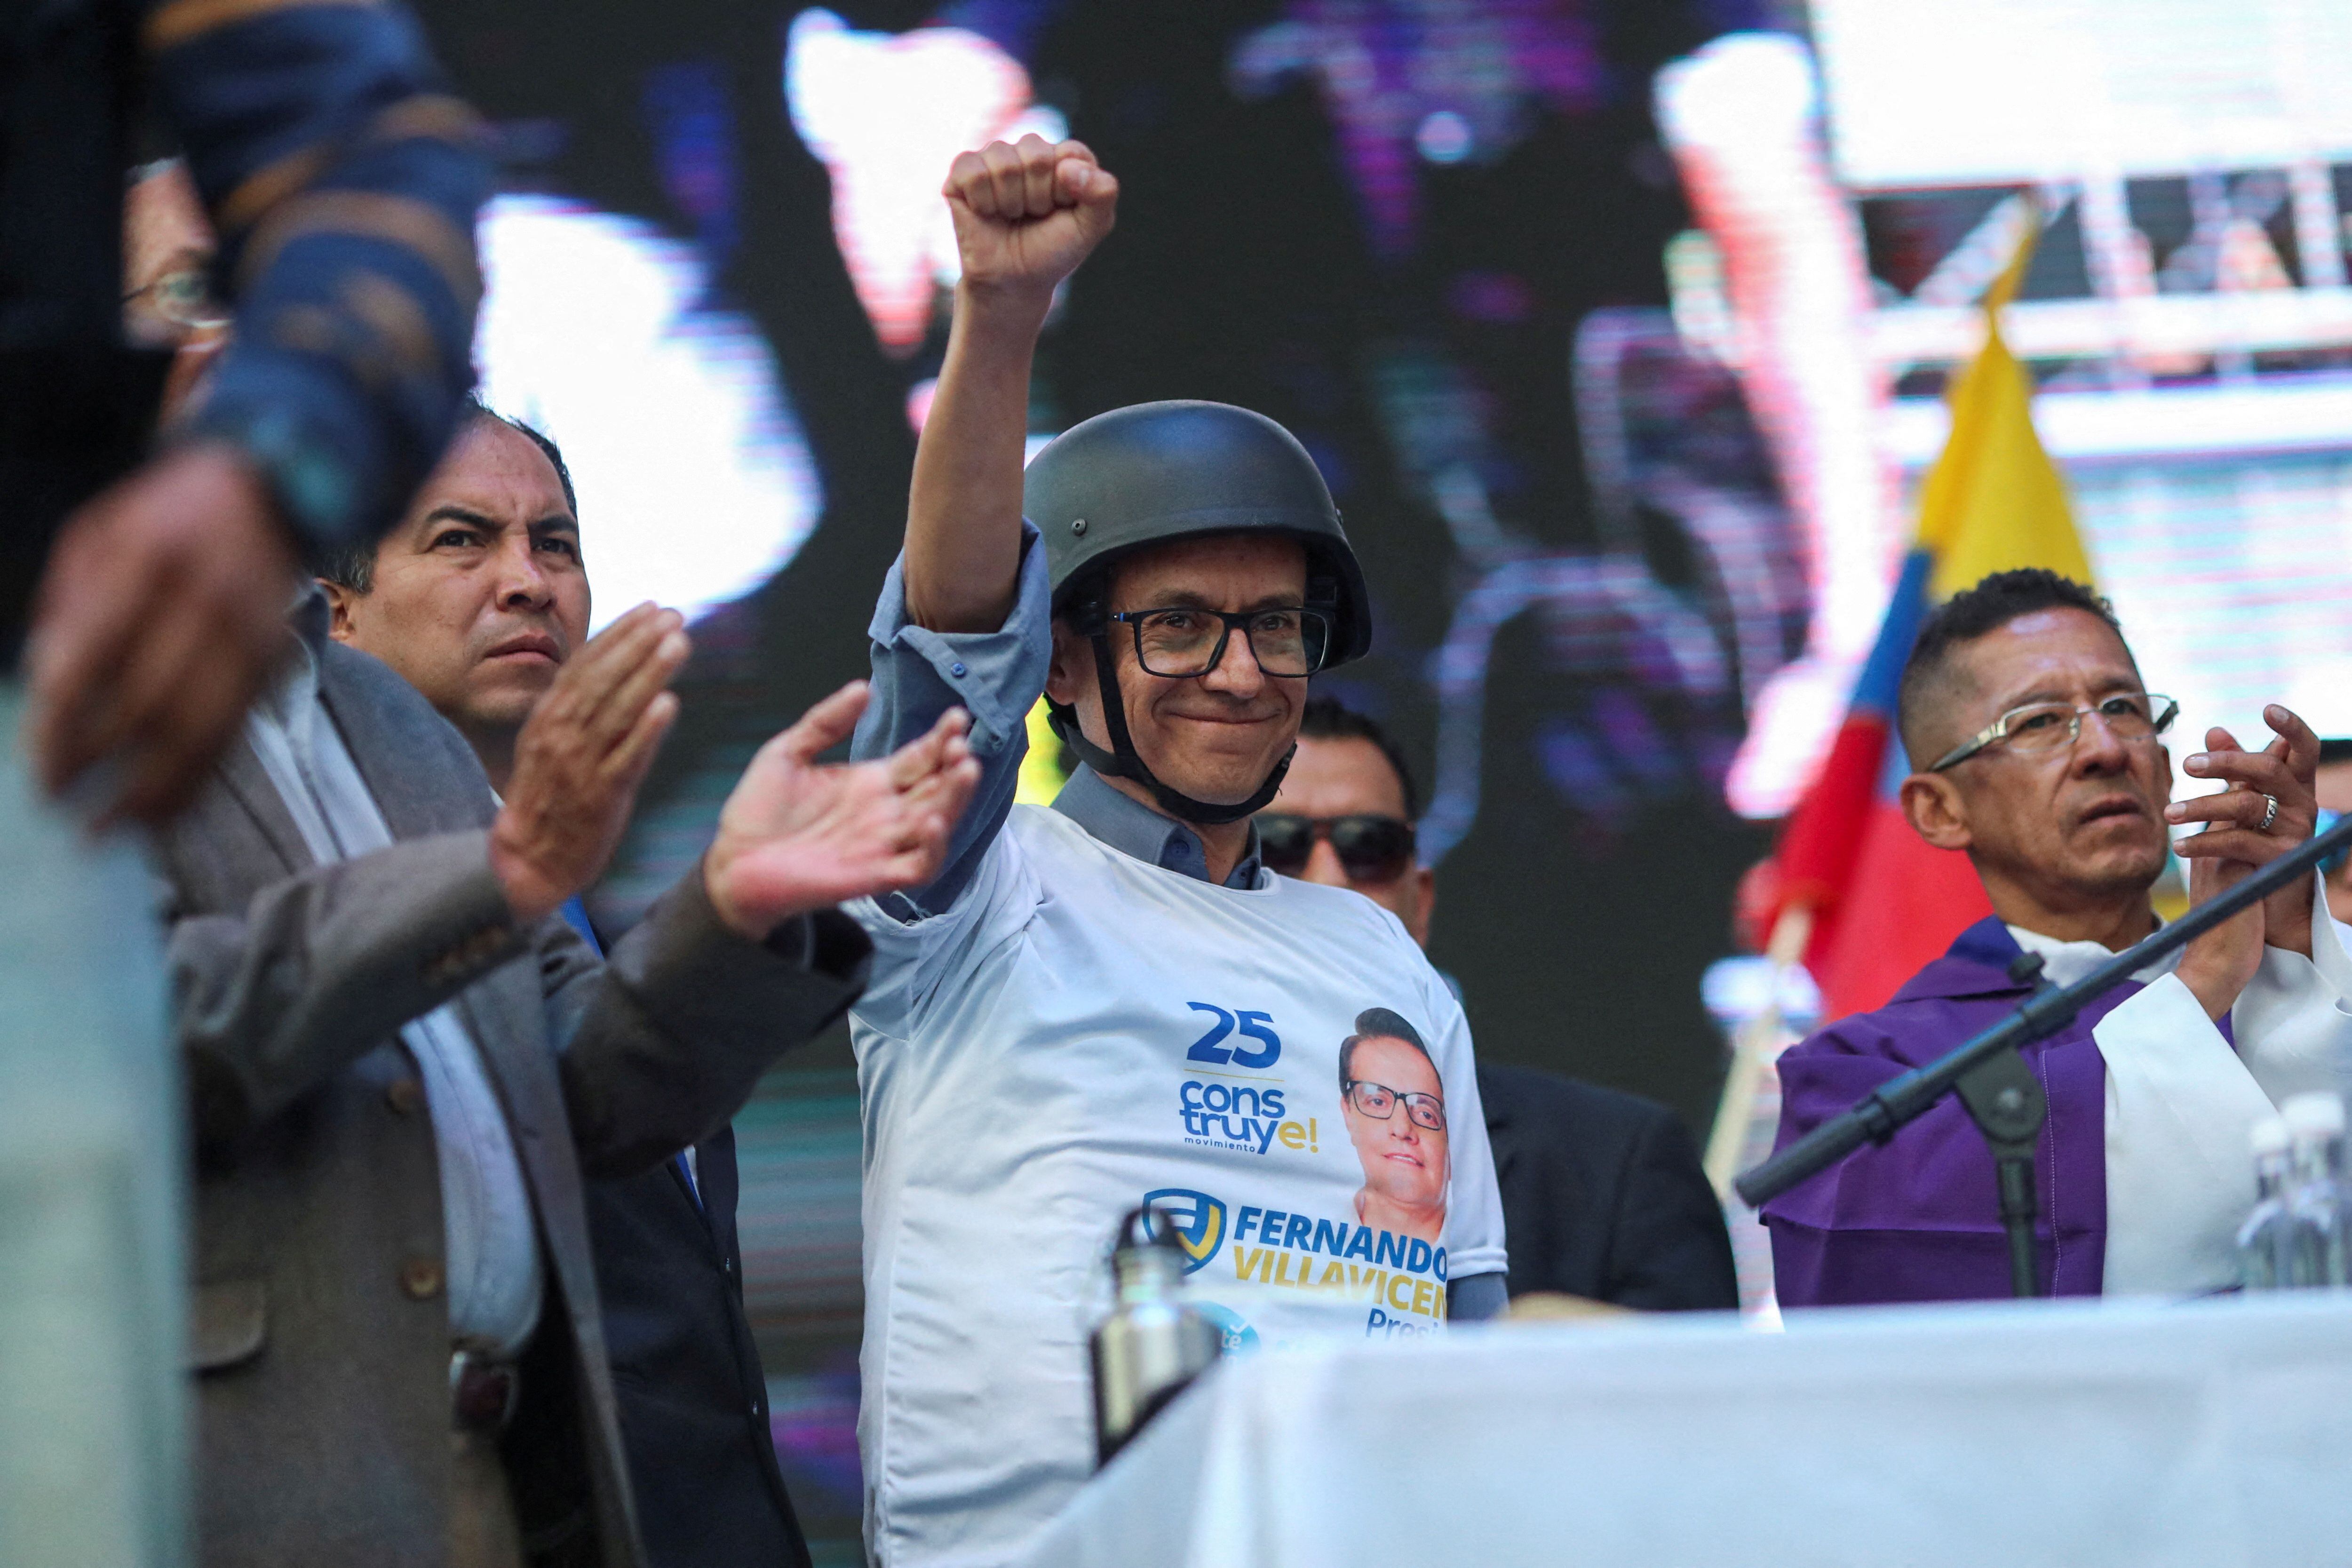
(1823, 840)
(1902, 905)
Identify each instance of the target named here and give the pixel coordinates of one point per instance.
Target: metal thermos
(1151, 1344)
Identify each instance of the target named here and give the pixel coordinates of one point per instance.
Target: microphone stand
(1999, 1090)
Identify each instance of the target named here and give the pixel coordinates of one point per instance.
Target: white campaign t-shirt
(1079, 1033)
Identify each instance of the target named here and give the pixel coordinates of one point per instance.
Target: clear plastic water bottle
(2320, 1249)
(1152, 1343)
(2264, 1241)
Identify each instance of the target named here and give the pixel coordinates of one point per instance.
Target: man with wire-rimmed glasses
(2040, 756)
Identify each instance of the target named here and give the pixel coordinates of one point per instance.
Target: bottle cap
(2319, 1114)
(1149, 1227)
(2270, 1137)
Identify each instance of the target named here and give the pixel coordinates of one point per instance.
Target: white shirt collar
(2064, 963)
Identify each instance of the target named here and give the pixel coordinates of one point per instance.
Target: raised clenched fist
(1026, 214)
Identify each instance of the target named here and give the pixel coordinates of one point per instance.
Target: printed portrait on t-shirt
(1394, 1106)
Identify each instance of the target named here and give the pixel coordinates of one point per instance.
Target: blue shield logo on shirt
(1198, 1218)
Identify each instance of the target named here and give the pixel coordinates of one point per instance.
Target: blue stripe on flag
(1882, 677)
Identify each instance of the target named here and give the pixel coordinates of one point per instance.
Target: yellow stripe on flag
(1994, 501)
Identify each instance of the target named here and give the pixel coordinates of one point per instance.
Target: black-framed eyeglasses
(1179, 644)
(1371, 846)
(2039, 729)
(1379, 1101)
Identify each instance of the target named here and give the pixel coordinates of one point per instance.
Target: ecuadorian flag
(1881, 902)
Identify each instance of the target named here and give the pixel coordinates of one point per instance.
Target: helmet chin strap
(1121, 760)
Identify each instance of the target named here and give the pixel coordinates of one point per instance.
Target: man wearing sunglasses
(2039, 755)
(1602, 1193)
(1112, 1001)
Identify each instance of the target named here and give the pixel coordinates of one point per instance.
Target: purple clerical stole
(1919, 1218)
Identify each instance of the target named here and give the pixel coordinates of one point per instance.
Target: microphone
(1879, 1115)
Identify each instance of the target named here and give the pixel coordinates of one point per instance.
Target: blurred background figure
(2333, 786)
(479, 598)
(1602, 1193)
(1742, 115)
(169, 300)
(159, 608)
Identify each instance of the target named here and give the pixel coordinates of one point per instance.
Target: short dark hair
(1328, 719)
(352, 564)
(1976, 612)
(1379, 1024)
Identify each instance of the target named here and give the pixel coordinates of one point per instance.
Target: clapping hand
(580, 757)
(798, 836)
(2244, 825)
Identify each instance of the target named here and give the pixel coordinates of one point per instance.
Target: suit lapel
(719, 1177)
(501, 1011)
(241, 770)
(406, 810)
(398, 746)
(503, 1036)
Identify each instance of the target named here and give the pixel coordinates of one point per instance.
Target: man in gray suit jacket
(479, 598)
(402, 1062)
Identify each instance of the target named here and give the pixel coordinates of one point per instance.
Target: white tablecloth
(2072, 1436)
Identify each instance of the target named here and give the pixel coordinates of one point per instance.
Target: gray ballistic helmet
(1162, 471)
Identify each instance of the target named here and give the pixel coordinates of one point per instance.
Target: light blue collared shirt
(1131, 828)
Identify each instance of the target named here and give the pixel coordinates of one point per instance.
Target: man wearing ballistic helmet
(1113, 1001)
